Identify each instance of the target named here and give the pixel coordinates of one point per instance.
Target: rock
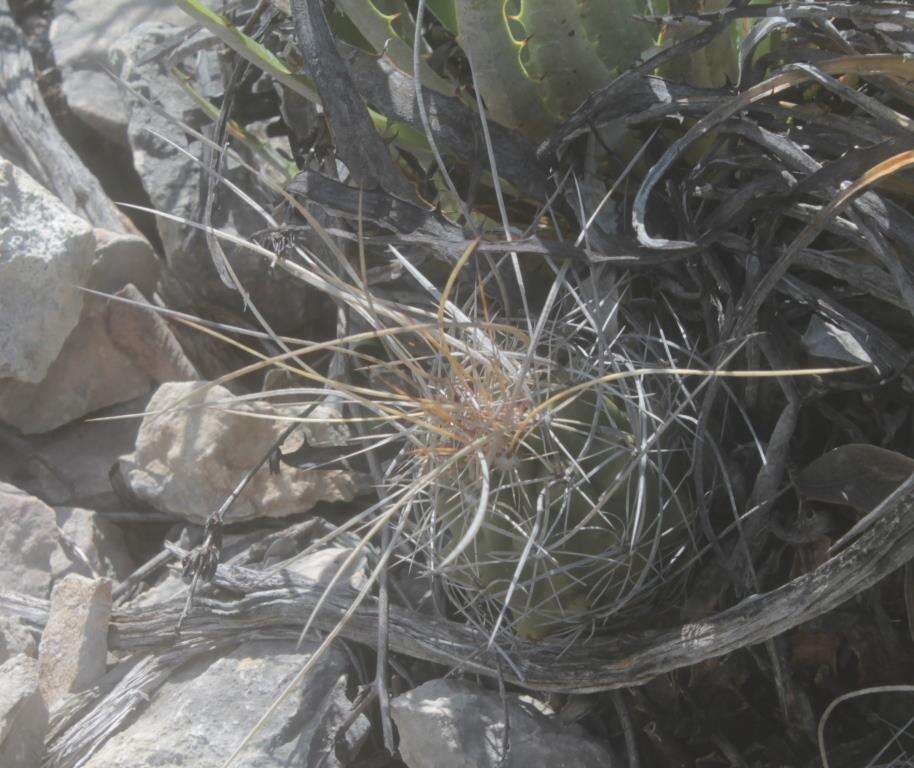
(190, 455)
(44, 251)
(121, 259)
(33, 142)
(202, 712)
(147, 339)
(174, 183)
(16, 638)
(64, 354)
(453, 724)
(100, 541)
(90, 373)
(170, 178)
(81, 34)
(23, 714)
(116, 353)
(70, 466)
(74, 644)
(321, 566)
(31, 557)
(28, 538)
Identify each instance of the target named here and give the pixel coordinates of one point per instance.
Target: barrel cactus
(568, 499)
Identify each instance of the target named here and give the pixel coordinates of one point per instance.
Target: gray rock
(90, 373)
(116, 353)
(120, 259)
(322, 566)
(31, 138)
(16, 638)
(190, 455)
(453, 724)
(81, 34)
(70, 466)
(101, 542)
(23, 714)
(52, 370)
(170, 178)
(44, 251)
(31, 557)
(74, 644)
(174, 183)
(28, 538)
(147, 339)
(829, 342)
(201, 714)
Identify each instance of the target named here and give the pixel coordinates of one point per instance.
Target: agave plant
(535, 61)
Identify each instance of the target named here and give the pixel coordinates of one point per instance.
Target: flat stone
(44, 251)
(74, 644)
(201, 714)
(190, 454)
(454, 724)
(23, 714)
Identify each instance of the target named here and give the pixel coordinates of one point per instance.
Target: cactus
(574, 503)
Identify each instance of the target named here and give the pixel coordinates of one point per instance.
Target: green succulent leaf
(506, 87)
(378, 27)
(561, 57)
(445, 13)
(619, 39)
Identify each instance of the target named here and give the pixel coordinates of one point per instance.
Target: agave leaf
(619, 39)
(378, 28)
(716, 64)
(504, 84)
(249, 48)
(445, 13)
(561, 57)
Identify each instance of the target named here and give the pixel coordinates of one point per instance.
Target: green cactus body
(566, 577)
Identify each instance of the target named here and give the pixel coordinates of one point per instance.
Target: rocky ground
(122, 430)
(90, 491)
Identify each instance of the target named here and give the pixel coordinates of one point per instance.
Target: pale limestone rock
(190, 454)
(28, 539)
(74, 644)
